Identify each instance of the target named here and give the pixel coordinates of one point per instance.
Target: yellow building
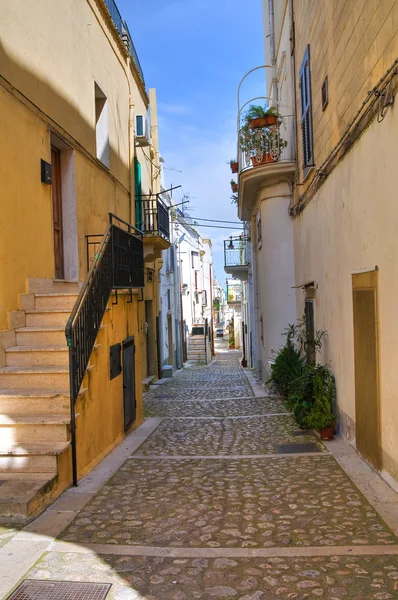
(323, 207)
(75, 146)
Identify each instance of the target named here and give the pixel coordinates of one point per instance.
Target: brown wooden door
(367, 411)
(56, 197)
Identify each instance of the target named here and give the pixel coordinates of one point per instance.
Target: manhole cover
(301, 432)
(296, 448)
(30, 589)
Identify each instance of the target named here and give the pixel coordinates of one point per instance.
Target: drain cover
(296, 448)
(301, 432)
(31, 589)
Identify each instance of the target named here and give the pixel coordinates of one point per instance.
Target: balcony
(266, 144)
(152, 218)
(237, 257)
(234, 293)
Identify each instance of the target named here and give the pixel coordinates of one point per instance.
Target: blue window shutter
(306, 110)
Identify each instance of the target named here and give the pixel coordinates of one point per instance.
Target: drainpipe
(271, 17)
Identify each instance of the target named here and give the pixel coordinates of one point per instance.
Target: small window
(204, 297)
(259, 233)
(168, 299)
(306, 111)
(325, 93)
(196, 280)
(151, 276)
(195, 259)
(101, 126)
(310, 331)
(196, 298)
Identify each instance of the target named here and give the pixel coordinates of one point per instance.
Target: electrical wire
(219, 221)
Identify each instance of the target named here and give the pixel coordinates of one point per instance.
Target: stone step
(52, 286)
(25, 356)
(41, 336)
(18, 428)
(23, 496)
(32, 401)
(32, 457)
(63, 301)
(46, 378)
(47, 317)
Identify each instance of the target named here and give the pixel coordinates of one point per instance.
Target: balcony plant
(258, 116)
(233, 163)
(261, 145)
(234, 186)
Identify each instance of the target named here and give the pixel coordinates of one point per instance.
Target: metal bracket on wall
(130, 296)
(116, 298)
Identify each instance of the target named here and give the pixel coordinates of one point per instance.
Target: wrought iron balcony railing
(236, 252)
(124, 33)
(152, 217)
(234, 292)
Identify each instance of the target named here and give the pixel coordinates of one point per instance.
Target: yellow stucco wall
(100, 424)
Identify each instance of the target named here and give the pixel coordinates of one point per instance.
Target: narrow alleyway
(221, 497)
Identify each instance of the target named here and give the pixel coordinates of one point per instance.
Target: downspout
(271, 18)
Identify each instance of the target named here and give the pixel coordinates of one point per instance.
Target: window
(204, 297)
(325, 93)
(101, 126)
(196, 280)
(306, 111)
(310, 331)
(195, 259)
(168, 299)
(196, 298)
(259, 238)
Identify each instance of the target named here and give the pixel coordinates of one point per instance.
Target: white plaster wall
(274, 271)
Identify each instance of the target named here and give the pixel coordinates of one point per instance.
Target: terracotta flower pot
(268, 158)
(234, 167)
(260, 122)
(234, 187)
(327, 433)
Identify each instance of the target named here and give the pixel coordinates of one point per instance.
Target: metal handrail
(120, 253)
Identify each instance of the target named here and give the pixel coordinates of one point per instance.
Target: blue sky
(194, 52)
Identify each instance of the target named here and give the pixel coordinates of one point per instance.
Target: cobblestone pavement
(208, 508)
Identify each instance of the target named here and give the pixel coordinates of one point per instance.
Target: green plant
(320, 415)
(233, 182)
(288, 367)
(234, 199)
(258, 112)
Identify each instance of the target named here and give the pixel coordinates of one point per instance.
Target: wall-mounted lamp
(231, 244)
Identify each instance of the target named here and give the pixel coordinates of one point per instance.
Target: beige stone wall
(351, 224)
(353, 43)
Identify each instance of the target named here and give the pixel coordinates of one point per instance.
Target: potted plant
(320, 416)
(233, 163)
(234, 186)
(261, 145)
(234, 199)
(260, 116)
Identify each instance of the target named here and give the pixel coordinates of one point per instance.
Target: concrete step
(46, 378)
(146, 383)
(32, 457)
(18, 428)
(51, 301)
(41, 336)
(52, 286)
(23, 495)
(49, 317)
(25, 356)
(32, 401)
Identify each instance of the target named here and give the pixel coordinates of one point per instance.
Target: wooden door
(367, 411)
(129, 397)
(56, 197)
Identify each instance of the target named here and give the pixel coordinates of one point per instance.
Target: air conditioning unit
(141, 130)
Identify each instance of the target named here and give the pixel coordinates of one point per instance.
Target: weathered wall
(351, 224)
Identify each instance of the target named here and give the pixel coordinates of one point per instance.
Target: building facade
(74, 116)
(321, 207)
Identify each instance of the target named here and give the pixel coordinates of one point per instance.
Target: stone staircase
(197, 349)
(34, 407)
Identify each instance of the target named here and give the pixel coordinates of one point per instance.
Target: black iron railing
(154, 217)
(115, 15)
(132, 51)
(118, 263)
(236, 252)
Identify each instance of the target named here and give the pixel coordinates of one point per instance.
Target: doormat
(296, 448)
(32, 589)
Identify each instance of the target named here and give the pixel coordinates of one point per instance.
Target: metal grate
(31, 589)
(296, 448)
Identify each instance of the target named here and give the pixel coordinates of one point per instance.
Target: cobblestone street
(213, 504)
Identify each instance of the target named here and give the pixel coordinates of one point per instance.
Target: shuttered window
(306, 110)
